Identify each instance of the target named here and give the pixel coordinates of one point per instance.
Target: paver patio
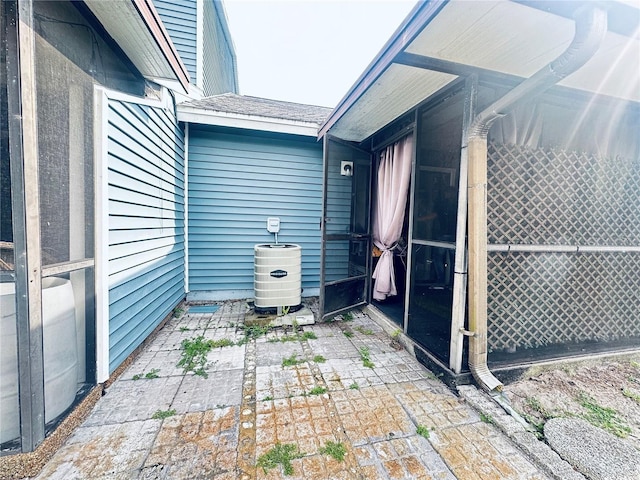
(219, 426)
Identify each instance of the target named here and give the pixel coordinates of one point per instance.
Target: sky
(309, 51)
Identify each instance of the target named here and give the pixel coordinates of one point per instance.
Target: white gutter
(249, 122)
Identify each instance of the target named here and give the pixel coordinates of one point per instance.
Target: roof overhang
(137, 29)
(441, 41)
(196, 115)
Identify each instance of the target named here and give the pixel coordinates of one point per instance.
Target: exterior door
(346, 239)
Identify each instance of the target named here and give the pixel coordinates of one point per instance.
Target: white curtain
(393, 178)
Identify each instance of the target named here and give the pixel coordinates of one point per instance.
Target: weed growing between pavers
(295, 338)
(333, 449)
(162, 414)
(195, 351)
(222, 342)
(177, 312)
(603, 417)
(354, 386)
(292, 360)
(319, 359)
(280, 454)
(267, 398)
(194, 355)
(149, 375)
(184, 329)
(432, 376)
(422, 431)
(487, 418)
(347, 317)
(364, 331)
(365, 357)
(316, 391)
(252, 332)
(348, 333)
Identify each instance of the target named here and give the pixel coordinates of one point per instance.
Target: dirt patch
(605, 392)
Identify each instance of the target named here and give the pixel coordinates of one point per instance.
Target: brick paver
(219, 426)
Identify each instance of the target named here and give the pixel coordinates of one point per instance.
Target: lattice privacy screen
(548, 197)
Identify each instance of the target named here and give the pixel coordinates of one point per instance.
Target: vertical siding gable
(236, 181)
(146, 222)
(179, 18)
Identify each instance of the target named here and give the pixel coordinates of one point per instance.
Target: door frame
(347, 236)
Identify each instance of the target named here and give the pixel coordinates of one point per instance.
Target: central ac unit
(278, 276)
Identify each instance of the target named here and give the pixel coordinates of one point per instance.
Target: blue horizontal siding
(218, 69)
(146, 223)
(338, 213)
(179, 18)
(236, 181)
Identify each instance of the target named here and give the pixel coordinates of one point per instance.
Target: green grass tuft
(335, 450)
(354, 386)
(194, 355)
(280, 454)
(319, 359)
(291, 361)
(223, 342)
(603, 417)
(365, 356)
(364, 331)
(423, 431)
(317, 391)
(252, 332)
(486, 418)
(632, 395)
(162, 414)
(309, 336)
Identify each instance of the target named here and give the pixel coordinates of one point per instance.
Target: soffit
(135, 27)
(500, 36)
(398, 90)
(512, 38)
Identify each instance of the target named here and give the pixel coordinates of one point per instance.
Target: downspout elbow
(590, 30)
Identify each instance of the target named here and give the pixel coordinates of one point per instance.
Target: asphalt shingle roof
(262, 107)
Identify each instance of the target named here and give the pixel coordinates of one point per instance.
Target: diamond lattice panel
(556, 197)
(538, 299)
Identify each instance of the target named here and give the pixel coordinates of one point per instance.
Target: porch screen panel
(338, 215)
(586, 204)
(437, 177)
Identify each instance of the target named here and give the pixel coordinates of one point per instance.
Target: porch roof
(139, 32)
(254, 113)
(441, 41)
